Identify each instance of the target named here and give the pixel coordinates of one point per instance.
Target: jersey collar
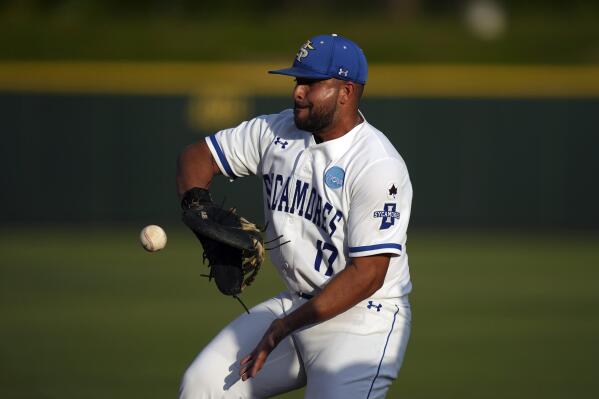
(333, 149)
(338, 140)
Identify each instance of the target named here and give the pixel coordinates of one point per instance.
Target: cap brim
(300, 73)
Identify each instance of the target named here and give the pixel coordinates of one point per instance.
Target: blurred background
(494, 105)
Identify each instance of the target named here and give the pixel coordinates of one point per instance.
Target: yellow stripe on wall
(252, 79)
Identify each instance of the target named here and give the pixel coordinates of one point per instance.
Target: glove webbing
(210, 276)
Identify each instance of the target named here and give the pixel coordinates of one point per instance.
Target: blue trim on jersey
(384, 349)
(221, 156)
(376, 246)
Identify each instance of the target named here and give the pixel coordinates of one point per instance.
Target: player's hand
(252, 363)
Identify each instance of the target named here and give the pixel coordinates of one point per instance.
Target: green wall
(473, 162)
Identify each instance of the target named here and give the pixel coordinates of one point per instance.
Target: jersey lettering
(284, 197)
(320, 248)
(326, 211)
(267, 186)
(299, 195)
(310, 207)
(278, 179)
(332, 225)
(316, 210)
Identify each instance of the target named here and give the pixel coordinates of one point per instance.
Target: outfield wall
(485, 146)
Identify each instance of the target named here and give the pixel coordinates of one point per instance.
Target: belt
(305, 296)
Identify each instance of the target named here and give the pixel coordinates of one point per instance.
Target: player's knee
(197, 383)
(206, 379)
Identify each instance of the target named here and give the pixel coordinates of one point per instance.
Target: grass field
(550, 37)
(86, 313)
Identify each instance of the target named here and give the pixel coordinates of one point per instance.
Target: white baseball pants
(357, 354)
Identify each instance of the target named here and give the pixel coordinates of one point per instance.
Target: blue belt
(305, 296)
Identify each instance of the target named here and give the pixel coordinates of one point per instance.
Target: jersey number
(320, 248)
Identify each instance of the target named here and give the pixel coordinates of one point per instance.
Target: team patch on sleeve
(392, 191)
(388, 215)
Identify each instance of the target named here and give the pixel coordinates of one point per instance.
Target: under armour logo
(343, 72)
(372, 305)
(279, 141)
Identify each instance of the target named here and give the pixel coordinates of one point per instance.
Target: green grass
(537, 38)
(86, 313)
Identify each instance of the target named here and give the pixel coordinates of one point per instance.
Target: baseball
(153, 238)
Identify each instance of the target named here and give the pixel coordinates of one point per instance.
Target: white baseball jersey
(343, 198)
(336, 200)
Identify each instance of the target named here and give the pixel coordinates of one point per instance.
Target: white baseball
(153, 238)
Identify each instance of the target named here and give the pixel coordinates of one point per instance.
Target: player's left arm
(381, 198)
(358, 281)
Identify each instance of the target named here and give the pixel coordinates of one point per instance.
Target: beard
(317, 118)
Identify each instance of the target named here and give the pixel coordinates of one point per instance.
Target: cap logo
(303, 51)
(343, 72)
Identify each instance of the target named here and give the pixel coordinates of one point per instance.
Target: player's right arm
(195, 167)
(234, 152)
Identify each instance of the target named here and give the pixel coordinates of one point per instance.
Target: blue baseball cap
(329, 56)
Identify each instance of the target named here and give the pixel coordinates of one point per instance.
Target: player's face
(315, 103)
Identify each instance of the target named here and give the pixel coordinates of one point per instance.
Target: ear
(346, 91)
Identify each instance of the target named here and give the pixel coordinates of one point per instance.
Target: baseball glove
(233, 246)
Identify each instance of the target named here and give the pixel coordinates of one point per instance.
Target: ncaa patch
(334, 177)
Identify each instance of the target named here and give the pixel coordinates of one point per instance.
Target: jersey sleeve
(381, 198)
(238, 150)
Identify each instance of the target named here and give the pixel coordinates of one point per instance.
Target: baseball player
(338, 191)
